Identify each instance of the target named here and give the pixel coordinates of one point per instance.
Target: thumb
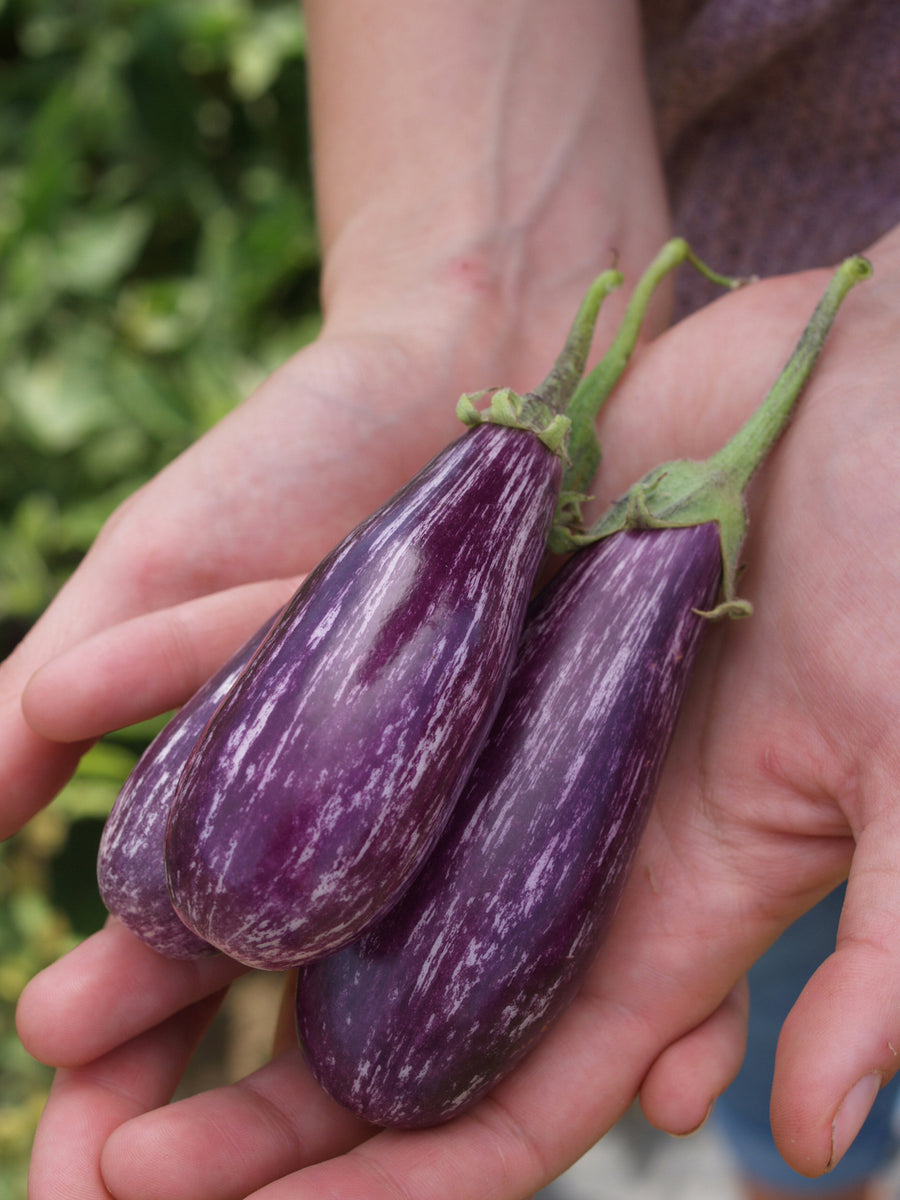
(839, 1045)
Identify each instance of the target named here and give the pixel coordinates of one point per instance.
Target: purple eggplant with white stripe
(131, 866)
(415, 1021)
(434, 1005)
(326, 774)
(131, 871)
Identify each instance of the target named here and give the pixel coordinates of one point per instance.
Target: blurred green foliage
(158, 258)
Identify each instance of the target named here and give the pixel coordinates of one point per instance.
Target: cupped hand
(260, 498)
(778, 785)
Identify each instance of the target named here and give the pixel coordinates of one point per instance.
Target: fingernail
(690, 1132)
(849, 1118)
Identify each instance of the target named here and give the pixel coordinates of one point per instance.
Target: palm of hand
(261, 498)
(779, 775)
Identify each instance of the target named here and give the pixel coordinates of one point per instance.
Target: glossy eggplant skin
(327, 773)
(131, 868)
(430, 1009)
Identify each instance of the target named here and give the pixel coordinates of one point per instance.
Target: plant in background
(157, 246)
(159, 259)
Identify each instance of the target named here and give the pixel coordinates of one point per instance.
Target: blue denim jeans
(742, 1113)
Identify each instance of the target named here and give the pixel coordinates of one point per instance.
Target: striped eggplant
(415, 1021)
(434, 1005)
(131, 870)
(328, 771)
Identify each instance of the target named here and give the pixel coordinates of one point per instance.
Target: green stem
(684, 493)
(556, 390)
(595, 388)
(742, 455)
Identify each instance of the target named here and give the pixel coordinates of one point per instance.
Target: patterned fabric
(779, 124)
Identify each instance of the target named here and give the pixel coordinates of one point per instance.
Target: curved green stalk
(741, 456)
(685, 492)
(558, 387)
(594, 390)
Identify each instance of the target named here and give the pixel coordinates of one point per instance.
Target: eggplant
(324, 777)
(326, 774)
(131, 867)
(433, 1006)
(423, 1015)
(131, 871)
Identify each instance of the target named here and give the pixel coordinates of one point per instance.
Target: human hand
(464, 204)
(262, 497)
(788, 750)
(778, 783)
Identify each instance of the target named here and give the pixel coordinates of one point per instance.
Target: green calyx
(542, 412)
(686, 493)
(680, 494)
(518, 412)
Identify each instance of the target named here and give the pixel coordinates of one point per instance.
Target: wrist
(495, 300)
(476, 167)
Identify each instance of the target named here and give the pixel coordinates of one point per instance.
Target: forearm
(485, 149)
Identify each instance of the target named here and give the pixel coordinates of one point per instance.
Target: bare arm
(513, 152)
(476, 164)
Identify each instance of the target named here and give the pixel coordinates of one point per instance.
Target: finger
(270, 1131)
(33, 768)
(115, 974)
(539, 1121)
(681, 1087)
(146, 665)
(647, 989)
(87, 1103)
(224, 1144)
(840, 1043)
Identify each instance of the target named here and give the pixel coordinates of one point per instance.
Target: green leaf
(165, 315)
(96, 249)
(57, 402)
(257, 58)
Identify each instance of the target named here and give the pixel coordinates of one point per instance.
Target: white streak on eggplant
(329, 770)
(434, 1005)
